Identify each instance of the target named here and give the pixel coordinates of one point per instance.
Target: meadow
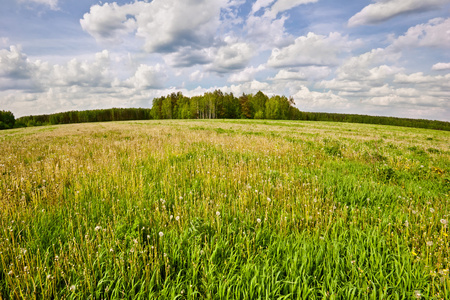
(224, 209)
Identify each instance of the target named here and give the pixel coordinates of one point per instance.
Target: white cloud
(311, 49)
(289, 75)
(309, 73)
(196, 75)
(52, 4)
(441, 66)
(259, 4)
(359, 67)
(308, 100)
(283, 5)
(76, 73)
(164, 25)
(267, 32)
(233, 56)
(13, 63)
(383, 10)
(246, 75)
(147, 77)
(189, 56)
(419, 78)
(435, 33)
(342, 85)
(110, 22)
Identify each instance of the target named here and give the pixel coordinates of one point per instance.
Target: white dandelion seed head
(177, 218)
(218, 213)
(258, 220)
(443, 221)
(429, 243)
(97, 228)
(161, 234)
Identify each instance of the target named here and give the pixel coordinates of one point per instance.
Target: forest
(212, 105)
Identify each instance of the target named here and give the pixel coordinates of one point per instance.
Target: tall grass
(224, 210)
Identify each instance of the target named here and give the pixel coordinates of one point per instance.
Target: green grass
(224, 209)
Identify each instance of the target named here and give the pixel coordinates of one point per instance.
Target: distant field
(233, 209)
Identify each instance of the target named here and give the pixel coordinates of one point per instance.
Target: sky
(380, 57)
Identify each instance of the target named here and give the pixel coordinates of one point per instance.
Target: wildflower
(429, 243)
(406, 223)
(49, 276)
(413, 253)
(171, 217)
(111, 250)
(97, 228)
(161, 234)
(177, 218)
(11, 273)
(268, 199)
(72, 287)
(443, 221)
(218, 213)
(258, 220)
(417, 294)
(431, 210)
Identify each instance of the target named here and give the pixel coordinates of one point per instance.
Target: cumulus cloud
(435, 33)
(361, 67)
(309, 100)
(76, 73)
(441, 66)
(14, 64)
(189, 56)
(95, 73)
(233, 56)
(311, 49)
(164, 25)
(383, 10)
(420, 78)
(147, 77)
(267, 32)
(289, 75)
(246, 75)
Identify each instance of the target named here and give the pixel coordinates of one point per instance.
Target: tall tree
(7, 119)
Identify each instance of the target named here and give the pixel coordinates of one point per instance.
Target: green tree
(7, 119)
(246, 111)
(258, 105)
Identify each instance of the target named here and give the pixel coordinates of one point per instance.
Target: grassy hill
(234, 209)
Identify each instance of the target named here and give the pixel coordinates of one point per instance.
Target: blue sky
(381, 57)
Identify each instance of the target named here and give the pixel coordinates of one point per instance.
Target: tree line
(212, 105)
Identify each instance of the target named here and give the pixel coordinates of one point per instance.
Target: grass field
(224, 210)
